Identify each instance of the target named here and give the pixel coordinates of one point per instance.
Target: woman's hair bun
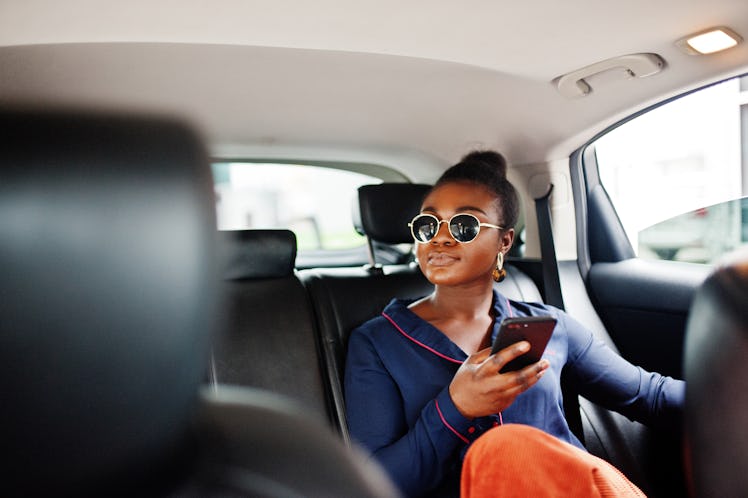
(488, 159)
(485, 167)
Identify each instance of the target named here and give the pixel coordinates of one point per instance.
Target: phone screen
(537, 330)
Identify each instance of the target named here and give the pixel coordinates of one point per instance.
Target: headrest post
(372, 267)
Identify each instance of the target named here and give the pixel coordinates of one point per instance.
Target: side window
(678, 175)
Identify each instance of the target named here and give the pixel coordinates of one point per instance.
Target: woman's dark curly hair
(487, 169)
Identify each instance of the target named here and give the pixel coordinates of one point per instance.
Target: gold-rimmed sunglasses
(463, 227)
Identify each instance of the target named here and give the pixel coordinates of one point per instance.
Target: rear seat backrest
(344, 298)
(269, 319)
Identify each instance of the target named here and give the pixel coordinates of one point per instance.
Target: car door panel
(644, 305)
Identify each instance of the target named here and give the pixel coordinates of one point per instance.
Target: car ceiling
(430, 79)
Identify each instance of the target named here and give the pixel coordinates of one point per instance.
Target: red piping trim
(444, 421)
(437, 353)
(509, 307)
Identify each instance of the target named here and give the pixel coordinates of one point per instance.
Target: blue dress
(397, 377)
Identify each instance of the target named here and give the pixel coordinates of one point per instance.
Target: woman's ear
(506, 239)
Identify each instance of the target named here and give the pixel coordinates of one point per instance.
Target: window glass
(672, 172)
(315, 202)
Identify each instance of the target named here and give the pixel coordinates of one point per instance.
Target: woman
(421, 384)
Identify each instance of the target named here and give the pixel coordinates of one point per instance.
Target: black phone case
(537, 330)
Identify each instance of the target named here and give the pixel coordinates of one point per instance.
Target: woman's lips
(440, 259)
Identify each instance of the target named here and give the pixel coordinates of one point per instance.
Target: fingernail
(523, 347)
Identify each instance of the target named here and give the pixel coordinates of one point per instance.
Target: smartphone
(536, 330)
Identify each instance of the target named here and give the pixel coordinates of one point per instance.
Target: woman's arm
(418, 457)
(606, 378)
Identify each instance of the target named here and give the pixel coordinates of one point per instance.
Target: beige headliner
(413, 83)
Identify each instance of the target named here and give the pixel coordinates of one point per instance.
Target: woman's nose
(443, 236)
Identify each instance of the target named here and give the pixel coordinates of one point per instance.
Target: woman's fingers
(480, 356)
(506, 355)
(524, 379)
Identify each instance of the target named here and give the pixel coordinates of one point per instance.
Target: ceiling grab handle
(574, 85)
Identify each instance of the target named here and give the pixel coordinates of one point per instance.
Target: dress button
(471, 429)
(495, 423)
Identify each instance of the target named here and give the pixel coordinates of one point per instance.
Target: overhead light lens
(713, 40)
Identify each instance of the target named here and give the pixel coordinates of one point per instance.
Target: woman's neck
(464, 314)
(464, 302)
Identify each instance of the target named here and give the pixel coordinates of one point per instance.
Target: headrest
(108, 295)
(716, 373)
(385, 210)
(254, 254)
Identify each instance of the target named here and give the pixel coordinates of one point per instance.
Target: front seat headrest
(107, 297)
(716, 373)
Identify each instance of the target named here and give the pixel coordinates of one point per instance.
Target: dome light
(709, 41)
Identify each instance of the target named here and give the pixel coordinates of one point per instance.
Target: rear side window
(314, 202)
(678, 175)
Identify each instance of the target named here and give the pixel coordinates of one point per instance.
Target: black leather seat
(344, 298)
(107, 303)
(268, 339)
(716, 371)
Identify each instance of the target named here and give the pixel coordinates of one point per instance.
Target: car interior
(155, 342)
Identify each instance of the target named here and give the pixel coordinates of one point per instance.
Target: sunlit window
(315, 202)
(672, 172)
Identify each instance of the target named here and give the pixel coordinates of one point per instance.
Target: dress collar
(426, 336)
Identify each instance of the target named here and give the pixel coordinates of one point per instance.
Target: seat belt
(553, 296)
(551, 281)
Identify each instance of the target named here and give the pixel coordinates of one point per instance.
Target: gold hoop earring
(499, 273)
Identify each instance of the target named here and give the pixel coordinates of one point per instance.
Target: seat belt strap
(551, 282)
(553, 296)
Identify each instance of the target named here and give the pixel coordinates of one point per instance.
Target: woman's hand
(478, 389)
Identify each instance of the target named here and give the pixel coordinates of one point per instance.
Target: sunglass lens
(464, 227)
(425, 228)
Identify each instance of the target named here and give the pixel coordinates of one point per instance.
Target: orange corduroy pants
(519, 461)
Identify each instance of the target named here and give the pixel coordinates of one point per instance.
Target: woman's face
(443, 260)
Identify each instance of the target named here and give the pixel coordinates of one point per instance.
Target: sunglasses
(463, 227)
